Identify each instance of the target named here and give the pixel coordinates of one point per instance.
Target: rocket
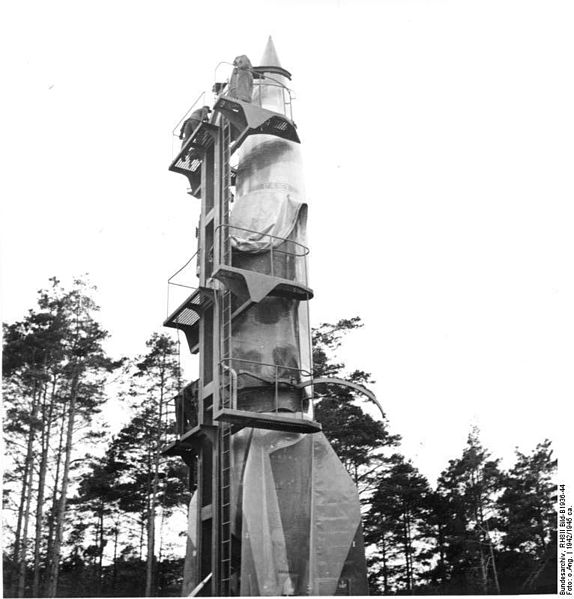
(274, 512)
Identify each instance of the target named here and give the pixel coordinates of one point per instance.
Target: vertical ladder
(226, 392)
(226, 184)
(225, 537)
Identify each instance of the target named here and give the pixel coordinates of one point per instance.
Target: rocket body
(268, 235)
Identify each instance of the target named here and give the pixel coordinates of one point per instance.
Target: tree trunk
(142, 533)
(26, 498)
(154, 488)
(18, 534)
(115, 564)
(46, 430)
(150, 547)
(151, 531)
(24, 537)
(59, 528)
(54, 509)
(407, 550)
(442, 557)
(494, 569)
(483, 567)
(385, 565)
(101, 549)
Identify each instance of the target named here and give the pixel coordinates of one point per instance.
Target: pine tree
(470, 486)
(54, 370)
(147, 486)
(160, 370)
(31, 356)
(96, 508)
(436, 527)
(528, 512)
(528, 517)
(84, 371)
(396, 515)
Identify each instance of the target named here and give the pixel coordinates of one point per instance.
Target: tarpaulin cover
(300, 517)
(276, 330)
(264, 212)
(270, 194)
(190, 573)
(297, 513)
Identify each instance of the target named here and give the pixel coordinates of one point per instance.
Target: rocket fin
(190, 566)
(301, 519)
(264, 558)
(339, 557)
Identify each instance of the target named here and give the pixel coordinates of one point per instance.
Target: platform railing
(168, 426)
(281, 375)
(258, 84)
(179, 280)
(174, 415)
(268, 81)
(176, 142)
(280, 250)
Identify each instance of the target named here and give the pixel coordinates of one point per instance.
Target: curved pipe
(337, 381)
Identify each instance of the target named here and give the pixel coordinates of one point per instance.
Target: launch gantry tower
(225, 291)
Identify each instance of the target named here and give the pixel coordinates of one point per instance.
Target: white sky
(438, 141)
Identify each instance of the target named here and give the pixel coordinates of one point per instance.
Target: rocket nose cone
(270, 58)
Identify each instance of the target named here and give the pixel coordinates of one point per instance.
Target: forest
(91, 509)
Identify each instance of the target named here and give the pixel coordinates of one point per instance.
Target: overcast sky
(438, 141)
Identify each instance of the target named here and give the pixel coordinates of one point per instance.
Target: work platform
(190, 158)
(249, 119)
(254, 286)
(246, 119)
(280, 269)
(186, 316)
(190, 441)
(268, 421)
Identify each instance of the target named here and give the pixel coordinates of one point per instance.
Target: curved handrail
(233, 374)
(253, 72)
(302, 371)
(305, 249)
(217, 67)
(179, 123)
(169, 281)
(267, 78)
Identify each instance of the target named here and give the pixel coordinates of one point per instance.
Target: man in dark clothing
(191, 123)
